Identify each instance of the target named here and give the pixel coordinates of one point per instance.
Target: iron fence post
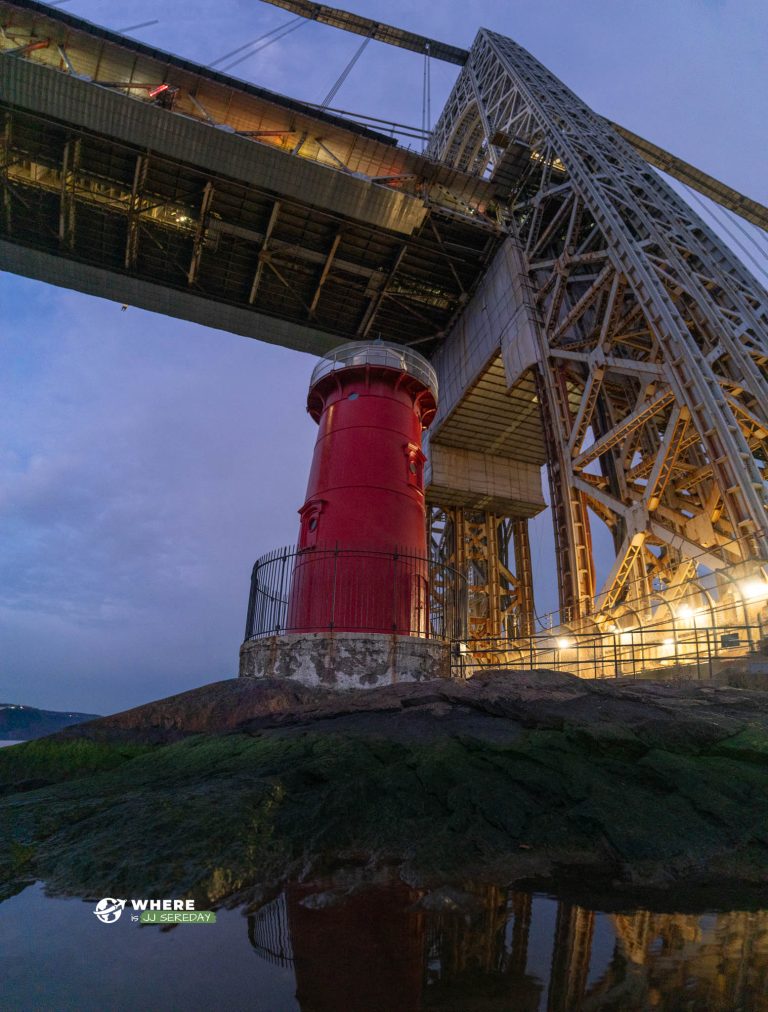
(252, 601)
(696, 641)
(615, 658)
(283, 560)
(709, 656)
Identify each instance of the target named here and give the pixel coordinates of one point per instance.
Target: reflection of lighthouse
(390, 947)
(362, 539)
(363, 954)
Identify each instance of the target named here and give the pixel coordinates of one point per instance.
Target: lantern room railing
(377, 353)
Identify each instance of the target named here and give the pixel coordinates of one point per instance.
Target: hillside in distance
(22, 723)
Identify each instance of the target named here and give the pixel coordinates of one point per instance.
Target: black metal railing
(663, 625)
(324, 589)
(696, 649)
(269, 933)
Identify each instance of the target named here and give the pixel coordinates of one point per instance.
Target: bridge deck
(224, 204)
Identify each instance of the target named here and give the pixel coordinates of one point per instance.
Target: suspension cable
(740, 224)
(762, 268)
(253, 42)
(364, 116)
(275, 38)
(266, 40)
(344, 74)
(728, 219)
(429, 89)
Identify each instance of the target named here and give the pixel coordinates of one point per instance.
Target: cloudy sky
(146, 462)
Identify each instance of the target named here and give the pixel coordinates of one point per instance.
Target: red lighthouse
(362, 564)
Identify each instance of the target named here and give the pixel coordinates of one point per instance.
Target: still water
(386, 948)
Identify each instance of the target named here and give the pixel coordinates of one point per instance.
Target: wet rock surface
(509, 776)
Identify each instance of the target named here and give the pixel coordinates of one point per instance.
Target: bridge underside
(140, 177)
(129, 223)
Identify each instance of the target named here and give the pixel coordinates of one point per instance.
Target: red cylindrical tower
(362, 539)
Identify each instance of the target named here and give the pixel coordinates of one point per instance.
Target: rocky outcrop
(684, 715)
(211, 709)
(511, 775)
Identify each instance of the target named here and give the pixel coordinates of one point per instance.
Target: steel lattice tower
(649, 337)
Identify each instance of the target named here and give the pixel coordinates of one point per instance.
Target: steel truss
(652, 337)
(494, 555)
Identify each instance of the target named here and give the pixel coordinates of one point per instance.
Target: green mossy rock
(498, 777)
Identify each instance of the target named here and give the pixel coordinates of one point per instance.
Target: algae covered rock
(505, 775)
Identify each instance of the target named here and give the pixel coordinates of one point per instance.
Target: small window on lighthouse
(310, 522)
(353, 397)
(415, 459)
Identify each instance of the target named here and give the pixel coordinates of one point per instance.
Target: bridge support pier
(493, 552)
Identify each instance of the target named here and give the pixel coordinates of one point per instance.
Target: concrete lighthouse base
(345, 660)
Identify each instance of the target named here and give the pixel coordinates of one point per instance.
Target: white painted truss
(652, 335)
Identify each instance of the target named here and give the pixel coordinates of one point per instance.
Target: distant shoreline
(20, 723)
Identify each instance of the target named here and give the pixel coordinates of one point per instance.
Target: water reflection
(393, 947)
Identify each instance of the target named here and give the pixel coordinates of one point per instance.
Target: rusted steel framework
(652, 337)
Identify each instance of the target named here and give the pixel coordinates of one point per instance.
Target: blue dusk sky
(146, 462)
